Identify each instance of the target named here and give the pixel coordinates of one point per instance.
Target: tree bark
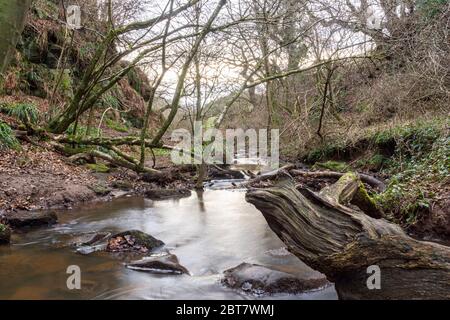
(13, 14)
(342, 243)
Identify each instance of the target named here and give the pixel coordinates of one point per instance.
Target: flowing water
(210, 232)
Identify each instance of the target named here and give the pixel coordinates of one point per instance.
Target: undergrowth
(7, 138)
(416, 180)
(27, 113)
(415, 156)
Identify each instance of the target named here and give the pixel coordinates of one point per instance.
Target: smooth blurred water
(210, 232)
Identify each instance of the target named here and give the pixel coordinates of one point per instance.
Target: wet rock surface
(91, 239)
(163, 194)
(162, 264)
(258, 279)
(133, 240)
(24, 219)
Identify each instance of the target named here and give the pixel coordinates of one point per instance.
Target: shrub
(7, 138)
(416, 181)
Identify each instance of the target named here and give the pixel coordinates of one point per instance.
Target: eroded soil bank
(33, 179)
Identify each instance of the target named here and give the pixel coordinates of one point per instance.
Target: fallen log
(374, 182)
(345, 244)
(268, 175)
(122, 162)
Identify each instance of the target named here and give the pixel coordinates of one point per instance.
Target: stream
(210, 231)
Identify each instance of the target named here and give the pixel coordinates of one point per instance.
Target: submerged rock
(5, 234)
(133, 240)
(162, 194)
(30, 219)
(162, 264)
(258, 279)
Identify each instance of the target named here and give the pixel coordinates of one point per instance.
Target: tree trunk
(343, 243)
(13, 14)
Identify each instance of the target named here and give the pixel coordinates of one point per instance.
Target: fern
(111, 101)
(25, 112)
(7, 138)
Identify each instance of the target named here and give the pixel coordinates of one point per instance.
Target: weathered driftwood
(342, 243)
(269, 175)
(374, 182)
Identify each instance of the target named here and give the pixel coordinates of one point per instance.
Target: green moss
(100, 190)
(98, 167)
(332, 165)
(70, 151)
(116, 126)
(365, 202)
(161, 152)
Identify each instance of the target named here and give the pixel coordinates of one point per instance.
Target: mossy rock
(100, 190)
(332, 165)
(99, 167)
(141, 239)
(5, 234)
(122, 185)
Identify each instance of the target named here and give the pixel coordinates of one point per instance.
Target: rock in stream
(163, 194)
(129, 241)
(258, 279)
(161, 264)
(22, 219)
